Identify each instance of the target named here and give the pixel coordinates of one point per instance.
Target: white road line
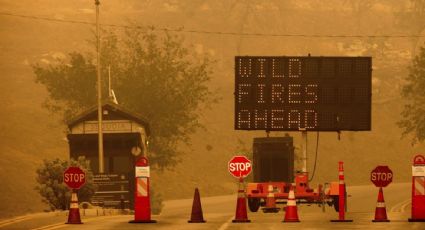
(62, 224)
(226, 224)
(394, 207)
(14, 220)
(403, 208)
(49, 226)
(397, 207)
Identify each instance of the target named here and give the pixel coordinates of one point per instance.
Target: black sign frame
(291, 93)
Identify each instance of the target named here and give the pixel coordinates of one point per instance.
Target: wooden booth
(125, 137)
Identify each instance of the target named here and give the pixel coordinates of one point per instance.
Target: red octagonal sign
(74, 177)
(240, 166)
(381, 176)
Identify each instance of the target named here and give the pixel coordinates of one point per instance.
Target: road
(220, 210)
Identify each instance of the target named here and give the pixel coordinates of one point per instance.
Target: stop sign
(74, 177)
(381, 176)
(240, 166)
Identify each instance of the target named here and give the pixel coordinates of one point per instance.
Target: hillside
(30, 134)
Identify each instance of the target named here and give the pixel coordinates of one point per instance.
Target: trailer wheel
(335, 201)
(253, 204)
(322, 202)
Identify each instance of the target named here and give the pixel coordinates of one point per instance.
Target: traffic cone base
(416, 220)
(142, 221)
(290, 221)
(341, 220)
(291, 216)
(73, 217)
(241, 221)
(380, 220)
(196, 216)
(198, 221)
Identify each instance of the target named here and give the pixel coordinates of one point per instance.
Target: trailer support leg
(304, 150)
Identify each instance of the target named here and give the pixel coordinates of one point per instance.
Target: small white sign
(142, 171)
(418, 170)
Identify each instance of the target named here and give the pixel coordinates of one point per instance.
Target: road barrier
(142, 203)
(418, 189)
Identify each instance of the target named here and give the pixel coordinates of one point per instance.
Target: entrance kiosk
(125, 139)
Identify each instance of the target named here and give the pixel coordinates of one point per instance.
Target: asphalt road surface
(219, 212)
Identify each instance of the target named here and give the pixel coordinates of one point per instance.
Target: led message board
(303, 93)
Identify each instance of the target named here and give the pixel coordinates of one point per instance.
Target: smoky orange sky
(47, 30)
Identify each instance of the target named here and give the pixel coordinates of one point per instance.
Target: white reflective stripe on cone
(74, 205)
(291, 203)
(380, 205)
(341, 182)
(74, 197)
(270, 188)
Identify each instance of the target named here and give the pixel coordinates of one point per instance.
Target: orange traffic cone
(197, 216)
(270, 201)
(291, 213)
(241, 213)
(380, 211)
(74, 211)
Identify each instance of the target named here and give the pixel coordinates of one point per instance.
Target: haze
(29, 134)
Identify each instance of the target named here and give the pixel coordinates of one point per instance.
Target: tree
(153, 75)
(53, 190)
(413, 114)
(410, 18)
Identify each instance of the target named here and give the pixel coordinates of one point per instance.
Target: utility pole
(99, 91)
